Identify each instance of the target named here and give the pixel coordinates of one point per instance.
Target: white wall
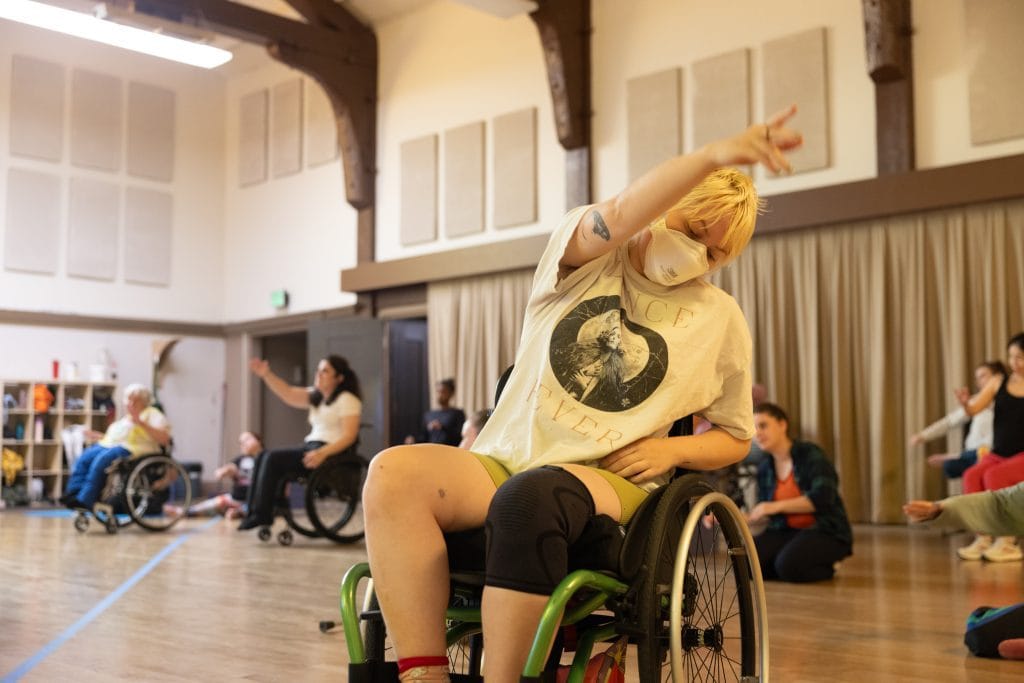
(295, 233)
(192, 381)
(197, 287)
(447, 65)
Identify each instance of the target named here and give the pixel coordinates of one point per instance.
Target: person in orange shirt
(798, 493)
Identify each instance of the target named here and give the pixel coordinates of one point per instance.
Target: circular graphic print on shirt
(605, 360)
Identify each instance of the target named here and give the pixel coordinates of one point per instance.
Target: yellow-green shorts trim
(630, 495)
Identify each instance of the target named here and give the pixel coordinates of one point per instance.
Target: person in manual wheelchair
(142, 430)
(334, 406)
(622, 337)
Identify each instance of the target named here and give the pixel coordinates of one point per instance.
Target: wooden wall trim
(895, 194)
(499, 257)
(90, 322)
(294, 322)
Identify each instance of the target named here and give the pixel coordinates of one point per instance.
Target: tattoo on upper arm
(600, 229)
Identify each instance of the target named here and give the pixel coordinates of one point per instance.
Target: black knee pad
(534, 518)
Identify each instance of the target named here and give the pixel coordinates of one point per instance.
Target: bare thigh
(450, 483)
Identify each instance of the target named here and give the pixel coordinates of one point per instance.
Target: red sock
(407, 663)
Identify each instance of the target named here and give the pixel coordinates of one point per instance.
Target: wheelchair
(325, 503)
(687, 594)
(153, 491)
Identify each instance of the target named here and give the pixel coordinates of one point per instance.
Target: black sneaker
(249, 523)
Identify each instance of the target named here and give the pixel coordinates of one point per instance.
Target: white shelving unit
(36, 436)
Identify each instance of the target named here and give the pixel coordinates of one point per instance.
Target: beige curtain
(862, 331)
(473, 328)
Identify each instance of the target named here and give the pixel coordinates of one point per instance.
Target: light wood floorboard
(224, 606)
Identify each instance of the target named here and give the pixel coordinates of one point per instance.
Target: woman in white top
(335, 409)
(979, 436)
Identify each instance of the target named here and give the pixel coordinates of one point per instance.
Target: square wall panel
(654, 120)
(94, 213)
(286, 128)
(151, 117)
(252, 138)
(464, 180)
(96, 120)
(37, 109)
(994, 78)
(418, 222)
(33, 221)
(515, 168)
(721, 96)
(796, 71)
(148, 221)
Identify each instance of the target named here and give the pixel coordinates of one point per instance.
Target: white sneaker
(976, 550)
(1005, 549)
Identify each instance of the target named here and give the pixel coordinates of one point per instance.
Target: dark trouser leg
(769, 544)
(809, 556)
(954, 469)
(274, 470)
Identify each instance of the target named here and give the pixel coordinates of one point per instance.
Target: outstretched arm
(296, 397)
(611, 222)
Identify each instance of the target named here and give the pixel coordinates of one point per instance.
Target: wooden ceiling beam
(888, 34)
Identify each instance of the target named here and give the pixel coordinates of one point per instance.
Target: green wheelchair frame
(692, 605)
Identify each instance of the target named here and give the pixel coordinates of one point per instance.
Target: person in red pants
(1004, 466)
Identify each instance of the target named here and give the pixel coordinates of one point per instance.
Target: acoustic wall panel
(151, 119)
(795, 71)
(32, 229)
(515, 168)
(464, 180)
(148, 221)
(994, 79)
(95, 120)
(654, 120)
(321, 127)
(37, 109)
(252, 138)
(418, 222)
(721, 96)
(286, 128)
(94, 210)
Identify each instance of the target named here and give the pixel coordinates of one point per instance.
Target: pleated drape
(473, 329)
(862, 331)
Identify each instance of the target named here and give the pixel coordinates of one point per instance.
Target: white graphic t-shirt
(608, 357)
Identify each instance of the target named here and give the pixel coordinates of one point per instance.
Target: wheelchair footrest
(373, 672)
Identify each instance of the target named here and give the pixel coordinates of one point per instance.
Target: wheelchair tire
(81, 522)
(157, 492)
(717, 615)
(731, 645)
(334, 496)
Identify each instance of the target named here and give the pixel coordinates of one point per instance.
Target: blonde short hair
(139, 390)
(725, 193)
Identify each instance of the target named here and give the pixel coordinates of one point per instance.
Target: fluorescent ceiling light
(130, 38)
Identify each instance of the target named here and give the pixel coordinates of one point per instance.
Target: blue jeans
(90, 473)
(954, 469)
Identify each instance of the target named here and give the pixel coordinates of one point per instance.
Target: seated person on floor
(240, 471)
(798, 490)
(141, 431)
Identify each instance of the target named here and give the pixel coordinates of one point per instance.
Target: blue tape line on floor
(89, 616)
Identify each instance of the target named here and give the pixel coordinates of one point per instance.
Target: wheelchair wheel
(719, 599)
(81, 522)
(333, 498)
(157, 492)
(297, 517)
(718, 623)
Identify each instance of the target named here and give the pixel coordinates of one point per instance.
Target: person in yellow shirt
(141, 431)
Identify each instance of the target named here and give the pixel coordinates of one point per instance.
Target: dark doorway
(362, 342)
(407, 368)
(280, 424)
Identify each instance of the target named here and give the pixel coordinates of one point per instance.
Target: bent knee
(394, 475)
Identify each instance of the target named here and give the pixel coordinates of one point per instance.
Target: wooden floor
(209, 603)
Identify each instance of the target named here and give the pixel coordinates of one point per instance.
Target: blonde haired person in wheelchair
(622, 337)
(142, 430)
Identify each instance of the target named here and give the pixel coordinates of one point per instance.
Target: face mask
(672, 258)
